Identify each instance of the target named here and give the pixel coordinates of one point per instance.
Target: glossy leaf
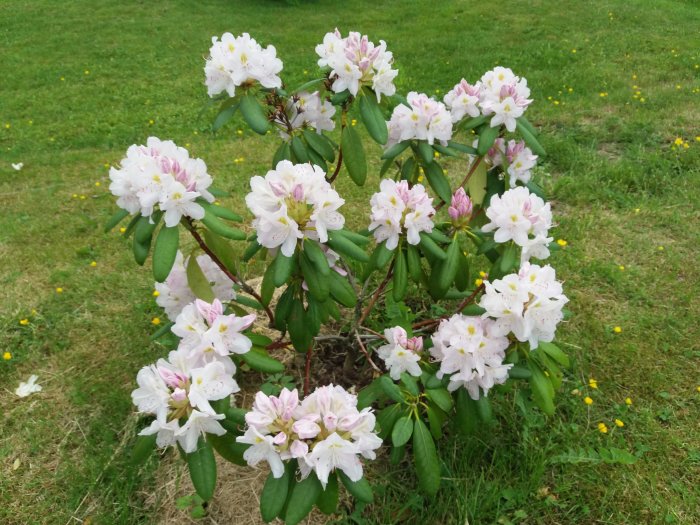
(165, 252)
(202, 467)
(426, 459)
(254, 114)
(354, 155)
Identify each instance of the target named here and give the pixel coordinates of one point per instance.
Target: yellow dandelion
(156, 293)
(619, 423)
(436, 154)
(93, 263)
(634, 77)
(155, 321)
(106, 165)
(628, 401)
(75, 195)
(151, 122)
(697, 139)
(617, 330)
(556, 102)
(63, 79)
(562, 242)
(588, 400)
(602, 428)
(238, 132)
(24, 322)
(678, 141)
(479, 282)
(637, 210)
(660, 248)
(7, 356)
(697, 388)
(7, 126)
(570, 90)
(420, 178)
(593, 383)
(98, 184)
(87, 71)
(573, 51)
(353, 122)
(187, 144)
(83, 197)
(621, 268)
(122, 230)
(59, 290)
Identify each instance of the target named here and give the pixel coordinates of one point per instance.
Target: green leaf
(144, 447)
(445, 150)
(132, 225)
(316, 256)
(400, 279)
(360, 490)
(444, 272)
(198, 282)
(410, 383)
(356, 238)
(254, 114)
(483, 408)
(394, 151)
(341, 290)
(391, 389)
(462, 281)
(115, 219)
(274, 495)
(297, 327)
(354, 155)
(267, 287)
(438, 181)
(436, 418)
(228, 448)
(415, 268)
(284, 266)
(425, 152)
(428, 245)
(299, 150)
(224, 213)
(373, 119)
(145, 228)
(426, 459)
(441, 397)
(253, 248)
(519, 372)
(284, 152)
(409, 169)
(319, 144)
(467, 415)
(283, 308)
(472, 123)
(306, 86)
(402, 431)
(542, 389)
(223, 117)
(202, 466)
(315, 281)
(487, 137)
(258, 359)
(215, 224)
(509, 257)
(164, 329)
(165, 252)
(555, 353)
(462, 147)
(304, 496)
(476, 186)
(344, 246)
(387, 417)
(327, 501)
(222, 249)
(369, 394)
(530, 139)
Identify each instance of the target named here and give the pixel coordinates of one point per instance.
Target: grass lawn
(617, 98)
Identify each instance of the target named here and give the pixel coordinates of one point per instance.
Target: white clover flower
(503, 95)
(292, 202)
(324, 432)
(463, 99)
(423, 119)
(516, 215)
(470, 353)
(235, 61)
(527, 304)
(308, 109)
(355, 61)
(401, 353)
(396, 209)
(161, 174)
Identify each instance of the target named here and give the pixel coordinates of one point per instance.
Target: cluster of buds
(460, 209)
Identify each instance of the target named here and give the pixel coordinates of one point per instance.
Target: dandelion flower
(617, 330)
(93, 263)
(628, 401)
(593, 383)
(588, 400)
(59, 290)
(562, 242)
(619, 423)
(602, 428)
(155, 321)
(7, 356)
(24, 322)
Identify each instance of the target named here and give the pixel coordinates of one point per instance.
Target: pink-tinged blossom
(307, 109)
(355, 62)
(424, 118)
(291, 202)
(460, 209)
(503, 95)
(520, 162)
(518, 215)
(397, 210)
(401, 353)
(323, 432)
(527, 304)
(161, 175)
(470, 354)
(239, 60)
(463, 100)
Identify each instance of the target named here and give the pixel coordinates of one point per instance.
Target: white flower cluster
(199, 371)
(355, 61)
(423, 119)
(397, 207)
(291, 202)
(401, 353)
(527, 304)
(324, 432)
(499, 93)
(522, 217)
(308, 109)
(161, 174)
(519, 159)
(174, 293)
(234, 61)
(471, 352)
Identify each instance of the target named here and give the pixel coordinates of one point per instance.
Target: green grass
(83, 80)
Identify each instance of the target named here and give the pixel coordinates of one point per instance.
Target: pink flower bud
(299, 449)
(461, 206)
(172, 378)
(280, 439)
(179, 395)
(415, 344)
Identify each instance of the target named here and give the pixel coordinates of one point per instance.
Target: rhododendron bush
(408, 377)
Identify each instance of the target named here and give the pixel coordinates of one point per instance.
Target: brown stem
(462, 306)
(337, 167)
(244, 286)
(364, 351)
(376, 295)
(307, 371)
